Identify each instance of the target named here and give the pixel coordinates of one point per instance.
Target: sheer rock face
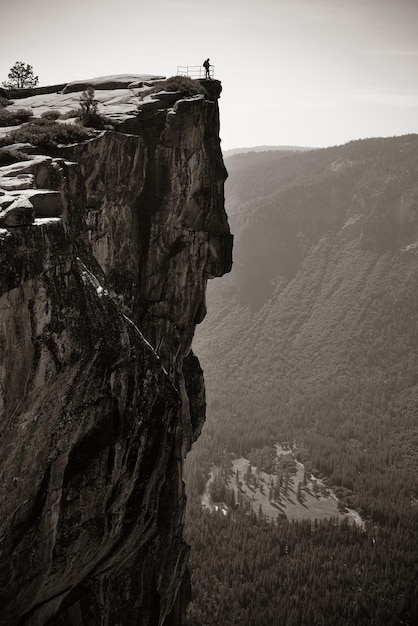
(105, 251)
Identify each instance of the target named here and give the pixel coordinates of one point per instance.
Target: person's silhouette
(206, 65)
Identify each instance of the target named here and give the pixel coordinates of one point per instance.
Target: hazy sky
(294, 72)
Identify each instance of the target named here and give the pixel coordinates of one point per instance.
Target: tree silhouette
(21, 76)
(88, 104)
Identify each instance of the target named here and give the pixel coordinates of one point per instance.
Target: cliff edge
(106, 245)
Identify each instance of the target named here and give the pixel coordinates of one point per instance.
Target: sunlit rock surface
(105, 249)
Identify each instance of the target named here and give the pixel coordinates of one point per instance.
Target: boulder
(19, 213)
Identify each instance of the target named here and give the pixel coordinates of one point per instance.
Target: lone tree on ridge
(20, 76)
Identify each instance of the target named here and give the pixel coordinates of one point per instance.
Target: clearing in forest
(287, 490)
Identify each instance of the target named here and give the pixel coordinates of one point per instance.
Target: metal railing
(195, 71)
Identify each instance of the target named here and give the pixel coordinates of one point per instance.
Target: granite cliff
(106, 246)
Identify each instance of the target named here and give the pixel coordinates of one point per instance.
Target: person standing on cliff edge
(206, 65)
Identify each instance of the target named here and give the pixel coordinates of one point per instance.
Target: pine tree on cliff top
(20, 76)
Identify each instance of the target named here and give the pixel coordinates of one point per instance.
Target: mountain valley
(313, 339)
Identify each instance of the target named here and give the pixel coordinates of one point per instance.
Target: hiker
(206, 65)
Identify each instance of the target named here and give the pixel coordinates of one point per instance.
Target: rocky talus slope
(106, 247)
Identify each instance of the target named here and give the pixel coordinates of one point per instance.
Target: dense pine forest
(312, 340)
(247, 571)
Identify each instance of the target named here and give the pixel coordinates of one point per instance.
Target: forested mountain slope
(313, 339)
(314, 334)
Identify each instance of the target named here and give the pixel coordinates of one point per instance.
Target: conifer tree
(21, 76)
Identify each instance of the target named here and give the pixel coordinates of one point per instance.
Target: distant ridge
(228, 153)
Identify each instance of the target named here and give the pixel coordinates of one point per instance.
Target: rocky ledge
(106, 245)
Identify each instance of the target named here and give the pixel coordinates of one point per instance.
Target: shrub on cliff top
(88, 113)
(10, 155)
(46, 133)
(97, 121)
(73, 113)
(88, 103)
(183, 84)
(14, 118)
(51, 114)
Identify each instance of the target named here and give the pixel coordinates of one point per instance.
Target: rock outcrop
(106, 247)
